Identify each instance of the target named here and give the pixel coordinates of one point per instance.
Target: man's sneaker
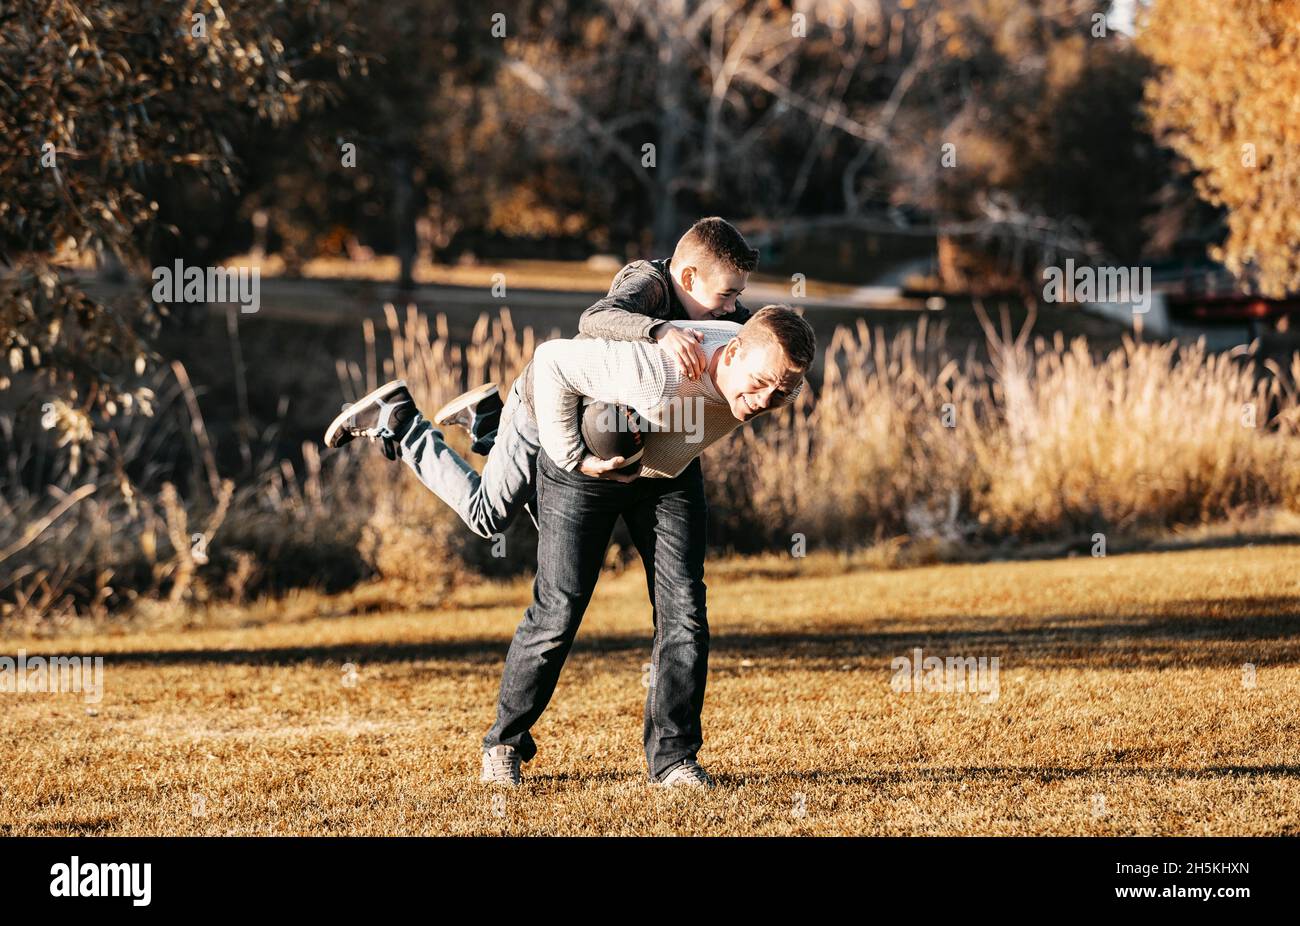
(478, 412)
(687, 775)
(501, 766)
(383, 415)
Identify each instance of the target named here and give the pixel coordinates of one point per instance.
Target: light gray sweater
(683, 416)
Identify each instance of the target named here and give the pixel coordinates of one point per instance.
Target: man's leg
(669, 528)
(486, 503)
(577, 516)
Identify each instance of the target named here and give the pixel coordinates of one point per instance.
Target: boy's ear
(689, 276)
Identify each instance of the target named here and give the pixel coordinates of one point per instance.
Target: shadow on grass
(975, 773)
(1267, 635)
(1016, 551)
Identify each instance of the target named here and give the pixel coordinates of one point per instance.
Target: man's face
(711, 292)
(755, 377)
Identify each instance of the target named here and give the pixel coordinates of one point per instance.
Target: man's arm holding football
(566, 371)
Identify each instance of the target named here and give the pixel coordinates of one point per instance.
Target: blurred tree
(678, 107)
(1016, 128)
(613, 123)
(102, 106)
(1224, 97)
(1028, 142)
(430, 154)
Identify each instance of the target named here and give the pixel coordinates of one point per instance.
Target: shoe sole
(682, 786)
(335, 430)
(463, 401)
(707, 784)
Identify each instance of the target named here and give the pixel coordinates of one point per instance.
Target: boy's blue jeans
(486, 503)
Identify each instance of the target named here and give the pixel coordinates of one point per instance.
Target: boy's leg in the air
(478, 411)
(487, 503)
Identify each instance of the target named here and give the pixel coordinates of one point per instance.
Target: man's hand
(597, 468)
(683, 345)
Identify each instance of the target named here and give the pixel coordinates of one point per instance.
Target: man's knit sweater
(681, 417)
(640, 298)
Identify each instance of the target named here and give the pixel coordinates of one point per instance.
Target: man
(748, 370)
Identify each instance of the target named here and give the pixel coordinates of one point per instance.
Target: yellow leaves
(144, 398)
(1229, 77)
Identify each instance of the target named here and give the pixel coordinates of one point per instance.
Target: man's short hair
(714, 243)
(783, 326)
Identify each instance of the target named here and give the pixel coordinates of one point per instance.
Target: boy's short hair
(781, 325)
(714, 243)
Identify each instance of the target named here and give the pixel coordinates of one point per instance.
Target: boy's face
(711, 292)
(754, 378)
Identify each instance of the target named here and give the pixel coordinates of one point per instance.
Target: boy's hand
(597, 468)
(683, 345)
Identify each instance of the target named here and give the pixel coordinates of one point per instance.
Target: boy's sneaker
(687, 775)
(478, 412)
(501, 766)
(383, 415)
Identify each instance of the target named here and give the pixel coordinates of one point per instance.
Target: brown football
(611, 431)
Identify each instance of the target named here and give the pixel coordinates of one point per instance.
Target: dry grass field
(1121, 710)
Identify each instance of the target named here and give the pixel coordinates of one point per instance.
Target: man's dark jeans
(667, 519)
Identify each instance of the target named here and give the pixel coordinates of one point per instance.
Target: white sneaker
(501, 766)
(687, 775)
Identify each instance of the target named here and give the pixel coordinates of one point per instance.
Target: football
(610, 431)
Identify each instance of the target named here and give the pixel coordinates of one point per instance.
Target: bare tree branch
(540, 84)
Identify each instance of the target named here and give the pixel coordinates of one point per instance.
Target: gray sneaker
(384, 414)
(687, 775)
(478, 412)
(501, 766)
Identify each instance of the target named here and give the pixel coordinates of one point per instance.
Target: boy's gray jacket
(641, 297)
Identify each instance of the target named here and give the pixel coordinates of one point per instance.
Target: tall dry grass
(899, 440)
(410, 538)
(856, 461)
(1043, 440)
(147, 518)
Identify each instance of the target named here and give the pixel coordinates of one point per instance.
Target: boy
(709, 269)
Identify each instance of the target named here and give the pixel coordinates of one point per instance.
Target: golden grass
(900, 442)
(1121, 677)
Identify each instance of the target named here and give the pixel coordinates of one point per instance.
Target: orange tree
(1226, 96)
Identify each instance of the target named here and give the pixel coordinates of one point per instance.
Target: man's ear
(689, 276)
